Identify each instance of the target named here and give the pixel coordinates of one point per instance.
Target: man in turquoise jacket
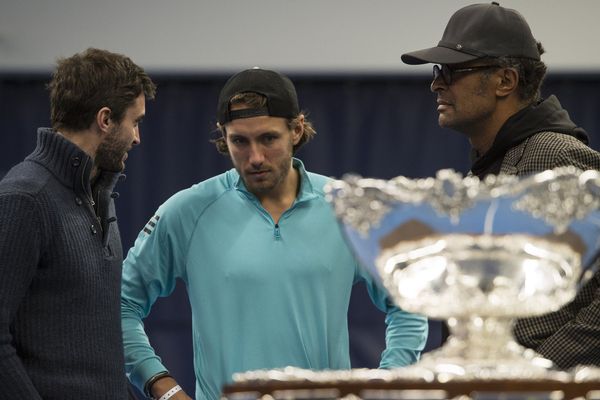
(267, 270)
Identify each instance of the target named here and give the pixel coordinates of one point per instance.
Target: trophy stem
(480, 338)
(484, 347)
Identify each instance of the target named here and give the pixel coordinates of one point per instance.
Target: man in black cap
(268, 272)
(487, 79)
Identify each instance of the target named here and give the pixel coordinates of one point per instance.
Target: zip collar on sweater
(71, 166)
(307, 191)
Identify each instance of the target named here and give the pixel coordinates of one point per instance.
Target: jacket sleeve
(20, 248)
(149, 271)
(406, 333)
(571, 335)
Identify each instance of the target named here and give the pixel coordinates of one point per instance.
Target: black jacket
(544, 116)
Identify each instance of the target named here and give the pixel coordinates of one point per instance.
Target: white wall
(332, 36)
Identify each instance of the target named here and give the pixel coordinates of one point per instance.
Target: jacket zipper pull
(277, 232)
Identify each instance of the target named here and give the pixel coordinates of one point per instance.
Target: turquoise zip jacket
(263, 295)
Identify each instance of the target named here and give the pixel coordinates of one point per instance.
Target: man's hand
(163, 385)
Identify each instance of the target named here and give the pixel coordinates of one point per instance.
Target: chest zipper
(276, 232)
(91, 203)
(83, 185)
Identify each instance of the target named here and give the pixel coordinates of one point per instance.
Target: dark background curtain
(379, 126)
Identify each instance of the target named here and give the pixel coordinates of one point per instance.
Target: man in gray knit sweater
(60, 249)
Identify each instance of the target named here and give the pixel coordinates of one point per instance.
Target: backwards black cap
(477, 31)
(282, 100)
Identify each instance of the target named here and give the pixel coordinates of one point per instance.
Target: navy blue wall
(371, 125)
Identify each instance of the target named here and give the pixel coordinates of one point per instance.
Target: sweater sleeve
(406, 333)
(149, 271)
(20, 248)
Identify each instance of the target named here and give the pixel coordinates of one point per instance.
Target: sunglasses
(446, 72)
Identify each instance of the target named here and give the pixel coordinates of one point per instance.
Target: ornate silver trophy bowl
(478, 254)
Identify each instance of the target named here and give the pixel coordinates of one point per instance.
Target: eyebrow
(259, 135)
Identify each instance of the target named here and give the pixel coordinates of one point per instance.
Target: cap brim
(437, 55)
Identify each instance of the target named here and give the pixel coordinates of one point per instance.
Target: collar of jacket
(544, 116)
(68, 163)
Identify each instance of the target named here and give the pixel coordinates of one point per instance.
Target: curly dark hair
(531, 74)
(85, 82)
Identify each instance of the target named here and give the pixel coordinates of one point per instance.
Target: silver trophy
(475, 253)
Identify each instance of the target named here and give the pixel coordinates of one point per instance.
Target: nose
(256, 156)
(136, 136)
(437, 84)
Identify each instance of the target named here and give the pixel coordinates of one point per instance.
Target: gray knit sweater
(60, 273)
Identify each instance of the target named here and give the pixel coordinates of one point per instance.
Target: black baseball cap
(282, 100)
(477, 31)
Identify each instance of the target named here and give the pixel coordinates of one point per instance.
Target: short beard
(110, 152)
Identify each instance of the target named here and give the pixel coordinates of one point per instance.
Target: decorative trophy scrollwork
(478, 253)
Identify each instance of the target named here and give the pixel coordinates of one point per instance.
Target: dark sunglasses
(446, 72)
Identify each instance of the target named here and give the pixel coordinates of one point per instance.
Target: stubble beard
(276, 178)
(110, 152)
(467, 125)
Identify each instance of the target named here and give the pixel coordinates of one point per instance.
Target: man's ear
(508, 83)
(103, 119)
